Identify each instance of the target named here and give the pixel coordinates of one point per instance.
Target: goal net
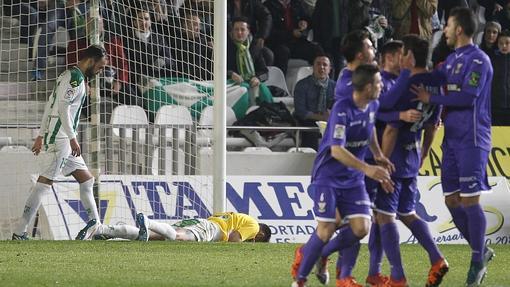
(139, 125)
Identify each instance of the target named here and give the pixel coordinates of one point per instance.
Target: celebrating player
(467, 136)
(338, 172)
(405, 151)
(225, 226)
(57, 136)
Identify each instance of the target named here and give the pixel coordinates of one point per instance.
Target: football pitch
(124, 263)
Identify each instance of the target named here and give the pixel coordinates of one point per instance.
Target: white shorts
(203, 229)
(57, 160)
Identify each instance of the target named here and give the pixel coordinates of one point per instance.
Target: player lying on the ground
(226, 226)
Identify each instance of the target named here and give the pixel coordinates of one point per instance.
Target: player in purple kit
(467, 136)
(405, 152)
(391, 54)
(338, 172)
(357, 49)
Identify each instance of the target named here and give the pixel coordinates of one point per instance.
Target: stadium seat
(129, 115)
(257, 149)
(168, 162)
(302, 149)
(292, 69)
(276, 78)
(207, 119)
(15, 148)
(302, 73)
(173, 115)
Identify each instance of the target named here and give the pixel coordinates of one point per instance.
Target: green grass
(120, 263)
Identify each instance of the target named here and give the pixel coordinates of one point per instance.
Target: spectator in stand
(414, 17)
(53, 15)
(193, 55)
(26, 11)
(288, 38)
(380, 27)
(492, 7)
(115, 86)
(245, 63)
(503, 16)
(313, 99)
(500, 102)
(490, 38)
(259, 19)
(148, 54)
(444, 7)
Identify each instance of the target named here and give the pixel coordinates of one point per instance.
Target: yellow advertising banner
(499, 160)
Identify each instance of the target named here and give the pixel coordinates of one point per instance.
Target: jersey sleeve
(338, 121)
(66, 92)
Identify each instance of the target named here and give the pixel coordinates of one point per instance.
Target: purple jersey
(352, 128)
(407, 152)
(467, 101)
(343, 88)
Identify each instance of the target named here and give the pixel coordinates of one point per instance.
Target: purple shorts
(372, 186)
(352, 202)
(464, 171)
(401, 201)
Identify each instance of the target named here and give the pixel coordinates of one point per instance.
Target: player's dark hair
(320, 55)
(364, 75)
(352, 44)
(390, 47)
(267, 232)
(465, 18)
(95, 52)
(419, 47)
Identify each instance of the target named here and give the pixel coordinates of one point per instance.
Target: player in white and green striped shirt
(57, 138)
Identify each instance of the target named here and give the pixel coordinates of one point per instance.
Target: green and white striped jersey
(62, 111)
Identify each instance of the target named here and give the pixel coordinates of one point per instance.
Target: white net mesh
(138, 127)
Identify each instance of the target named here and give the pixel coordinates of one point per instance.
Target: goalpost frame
(220, 119)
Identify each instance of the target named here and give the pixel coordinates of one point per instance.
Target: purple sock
(332, 245)
(349, 256)
(390, 243)
(375, 250)
(477, 226)
(421, 231)
(460, 219)
(311, 252)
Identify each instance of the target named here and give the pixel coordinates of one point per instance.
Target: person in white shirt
(57, 138)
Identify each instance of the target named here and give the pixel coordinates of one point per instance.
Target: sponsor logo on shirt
(69, 94)
(355, 123)
(356, 143)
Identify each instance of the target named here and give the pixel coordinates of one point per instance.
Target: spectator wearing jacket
(500, 101)
(414, 17)
(490, 38)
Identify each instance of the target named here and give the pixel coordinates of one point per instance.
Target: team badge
(69, 94)
(321, 204)
(474, 79)
(339, 132)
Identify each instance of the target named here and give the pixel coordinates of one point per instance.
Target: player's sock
(375, 250)
(31, 206)
(477, 225)
(164, 229)
(390, 243)
(87, 199)
(118, 231)
(460, 219)
(311, 253)
(420, 230)
(345, 238)
(349, 256)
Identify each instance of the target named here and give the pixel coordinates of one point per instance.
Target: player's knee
(360, 227)
(325, 230)
(452, 201)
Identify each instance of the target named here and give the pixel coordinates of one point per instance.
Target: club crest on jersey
(474, 79)
(69, 94)
(74, 84)
(321, 204)
(339, 132)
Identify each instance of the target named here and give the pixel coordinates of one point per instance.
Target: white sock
(87, 199)
(164, 229)
(118, 231)
(38, 191)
